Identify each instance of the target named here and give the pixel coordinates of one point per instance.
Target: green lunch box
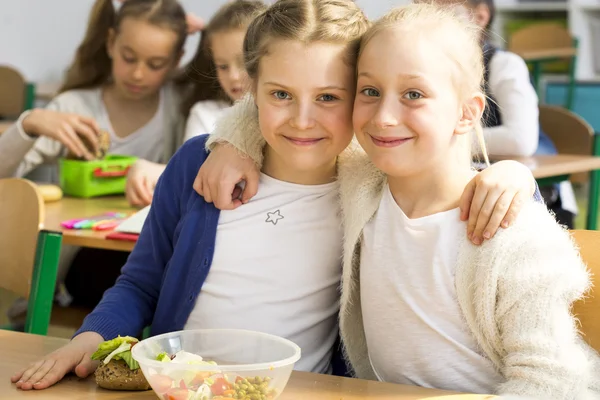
(95, 178)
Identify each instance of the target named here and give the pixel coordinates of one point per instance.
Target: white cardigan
(515, 291)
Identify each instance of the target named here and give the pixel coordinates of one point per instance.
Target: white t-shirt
(203, 117)
(276, 269)
(146, 142)
(414, 326)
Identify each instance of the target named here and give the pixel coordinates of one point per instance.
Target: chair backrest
(570, 133)
(588, 310)
(540, 36)
(21, 217)
(12, 92)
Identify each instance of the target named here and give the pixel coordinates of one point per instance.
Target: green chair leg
(29, 97)
(592, 217)
(43, 282)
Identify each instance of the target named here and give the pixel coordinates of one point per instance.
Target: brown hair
(309, 21)
(201, 71)
(92, 65)
(461, 45)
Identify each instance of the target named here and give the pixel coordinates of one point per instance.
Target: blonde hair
(461, 46)
(92, 66)
(201, 71)
(308, 21)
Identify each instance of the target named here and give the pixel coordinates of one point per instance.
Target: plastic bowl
(250, 365)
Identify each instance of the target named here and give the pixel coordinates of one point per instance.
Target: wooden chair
(546, 42)
(13, 92)
(570, 133)
(588, 309)
(28, 255)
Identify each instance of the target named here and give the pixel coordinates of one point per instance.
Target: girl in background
(118, 82)
(217, 71)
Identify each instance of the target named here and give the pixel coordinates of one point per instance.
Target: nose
(235, 74)
(303, 117)
(388, 113)
(138, 72)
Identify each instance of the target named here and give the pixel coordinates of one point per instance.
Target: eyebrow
(155, 58)
(405, 76)
(322, 88)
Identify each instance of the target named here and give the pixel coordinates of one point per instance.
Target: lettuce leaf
(108, 347)
(128, 358)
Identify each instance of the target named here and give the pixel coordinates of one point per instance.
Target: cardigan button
(191, 297)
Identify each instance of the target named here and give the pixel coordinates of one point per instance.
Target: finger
(85, 131)
(27, 384)
(476, 204)
(32, 369)
(91, 122)
(86, 366)
(198, 187)
(206, 189)
(66, 140)
(42, 372)
(517, 204)
(139, 187)
(224, 199)
(72, 135)
(499, 214)
(131, 194)
(251, 187)
(147, 190)
(15, 378)
(485, 214)
(466, 198)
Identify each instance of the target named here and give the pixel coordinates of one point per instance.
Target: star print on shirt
(274, 217)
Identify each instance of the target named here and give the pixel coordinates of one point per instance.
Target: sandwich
(118, 370)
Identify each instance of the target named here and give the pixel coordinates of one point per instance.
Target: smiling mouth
(389, 141)
(303, 141)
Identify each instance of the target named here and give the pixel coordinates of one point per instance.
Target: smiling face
(228, 55)
(407, 113)
(304, 94)
(142, 56)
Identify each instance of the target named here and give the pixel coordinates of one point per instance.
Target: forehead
(395, 52)
(227, 44)
(146, 39)
(307, 65)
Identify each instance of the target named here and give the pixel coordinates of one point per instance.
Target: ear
(482, 15)
(110, 42)
(470, 114)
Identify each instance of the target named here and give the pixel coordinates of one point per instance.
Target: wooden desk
(71, 208)
(19, 349)
(557, 165)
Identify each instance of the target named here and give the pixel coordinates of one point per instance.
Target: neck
(112, 94)
(276, 167)
(432, 191)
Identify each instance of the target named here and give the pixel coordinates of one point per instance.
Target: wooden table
(19, 349)
(557, 168)
(71, 208)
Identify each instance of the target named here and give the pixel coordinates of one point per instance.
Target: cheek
(361, 116)
(120, 69)
(222, 77)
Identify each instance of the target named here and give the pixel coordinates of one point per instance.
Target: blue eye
(281, 95)
(413, 95)
(370, 92)
(328, 97)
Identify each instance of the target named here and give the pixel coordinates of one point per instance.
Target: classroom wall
(39, 37)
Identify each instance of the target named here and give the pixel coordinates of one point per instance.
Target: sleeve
(199, 122)
(22, 153)
(239, 127)
(515, 96)
(543, 356)
(129, 305)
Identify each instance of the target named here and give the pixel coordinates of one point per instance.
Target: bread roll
(116, 375)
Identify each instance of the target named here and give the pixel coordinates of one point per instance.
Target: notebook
(134, 223)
